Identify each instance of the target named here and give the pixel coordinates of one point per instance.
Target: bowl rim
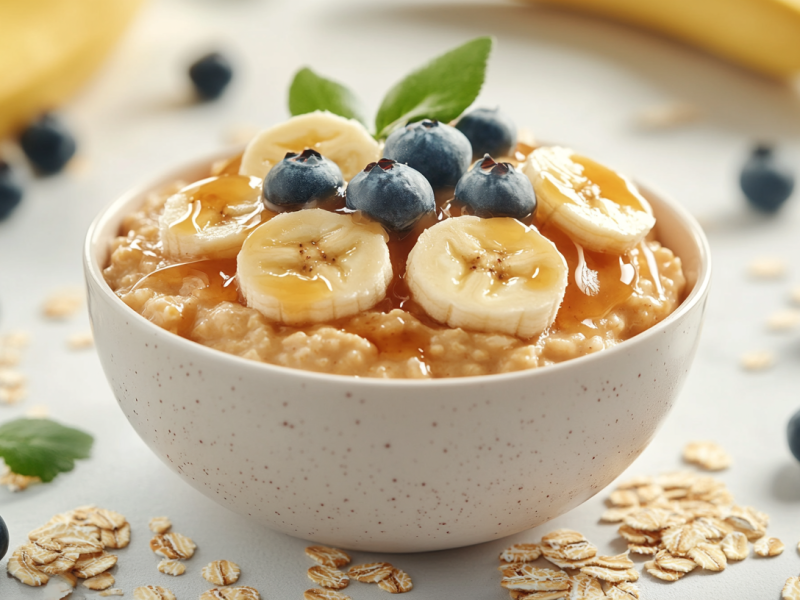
(93, 270)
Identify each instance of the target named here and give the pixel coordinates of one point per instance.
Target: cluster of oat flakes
(327, 574)
(683, 520)
(72, 546)
(174, 547)
(686, 520)
(597, 577)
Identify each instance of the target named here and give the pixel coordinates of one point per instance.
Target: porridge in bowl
(333, 259)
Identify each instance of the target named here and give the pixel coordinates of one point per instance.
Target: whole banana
(48, 48)
(763, 35)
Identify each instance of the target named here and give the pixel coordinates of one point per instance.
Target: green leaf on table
(440, 90)
(41, 447)
(310, 92)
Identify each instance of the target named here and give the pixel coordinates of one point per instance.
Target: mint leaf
(41, 447)
(440, 90)
(310, 92)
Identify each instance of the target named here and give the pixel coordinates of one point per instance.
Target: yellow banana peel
(48, 48)
(763, 35)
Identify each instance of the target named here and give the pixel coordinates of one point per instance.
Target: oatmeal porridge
(454, 290)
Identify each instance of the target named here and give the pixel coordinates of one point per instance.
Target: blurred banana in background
(48, 48)
(763, 35)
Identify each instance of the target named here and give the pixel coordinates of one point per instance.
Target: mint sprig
(441, 89)
(310, 92)
(41, 447)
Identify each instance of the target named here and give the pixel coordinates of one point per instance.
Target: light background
(571, 79)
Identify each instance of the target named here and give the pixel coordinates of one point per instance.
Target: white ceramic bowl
(399, 465)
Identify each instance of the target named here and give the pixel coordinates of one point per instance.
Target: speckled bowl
(394, 466)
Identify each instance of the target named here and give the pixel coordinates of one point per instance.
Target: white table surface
(569, 78)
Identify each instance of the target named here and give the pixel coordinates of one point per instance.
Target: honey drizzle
(209, 202)
(614, 279)
(215, 282)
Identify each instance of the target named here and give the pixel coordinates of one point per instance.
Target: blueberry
(302, 179)
(440, 152)
(392, 193)
(765, 180)
(494, 189)
(48, 144)
(3, 538)
(10, 190)
(211, 74)
(489, 131)
(793, 433)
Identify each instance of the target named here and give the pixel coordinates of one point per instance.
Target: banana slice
(313, 265)
(345, 141)
(492, 275)
(597, 207)
(211, 218)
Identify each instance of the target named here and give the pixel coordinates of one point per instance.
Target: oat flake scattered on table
(93, 565)
(370, 572)
(528, 578)
(172, 567)
(320, 594)
(623, 591)
(708, 455)
(520, 553)
(791, 590)
(99, 582)
(735, 546)
(234, 593)
(784, 320)
(328, 577)
(665, 116)
(13, 386)
(160, 524)
(669, 562)
(794, 294)
(62, 304)
(758, 360)
(221, 572)
(9, 357)
(398, 582)
(15, 482)
(766, 267)
(152, 592)
(111, 592)
(768, 546)
(173, 545)
(15, 339)
(38, 412)
(80, 341)
(330, 557)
